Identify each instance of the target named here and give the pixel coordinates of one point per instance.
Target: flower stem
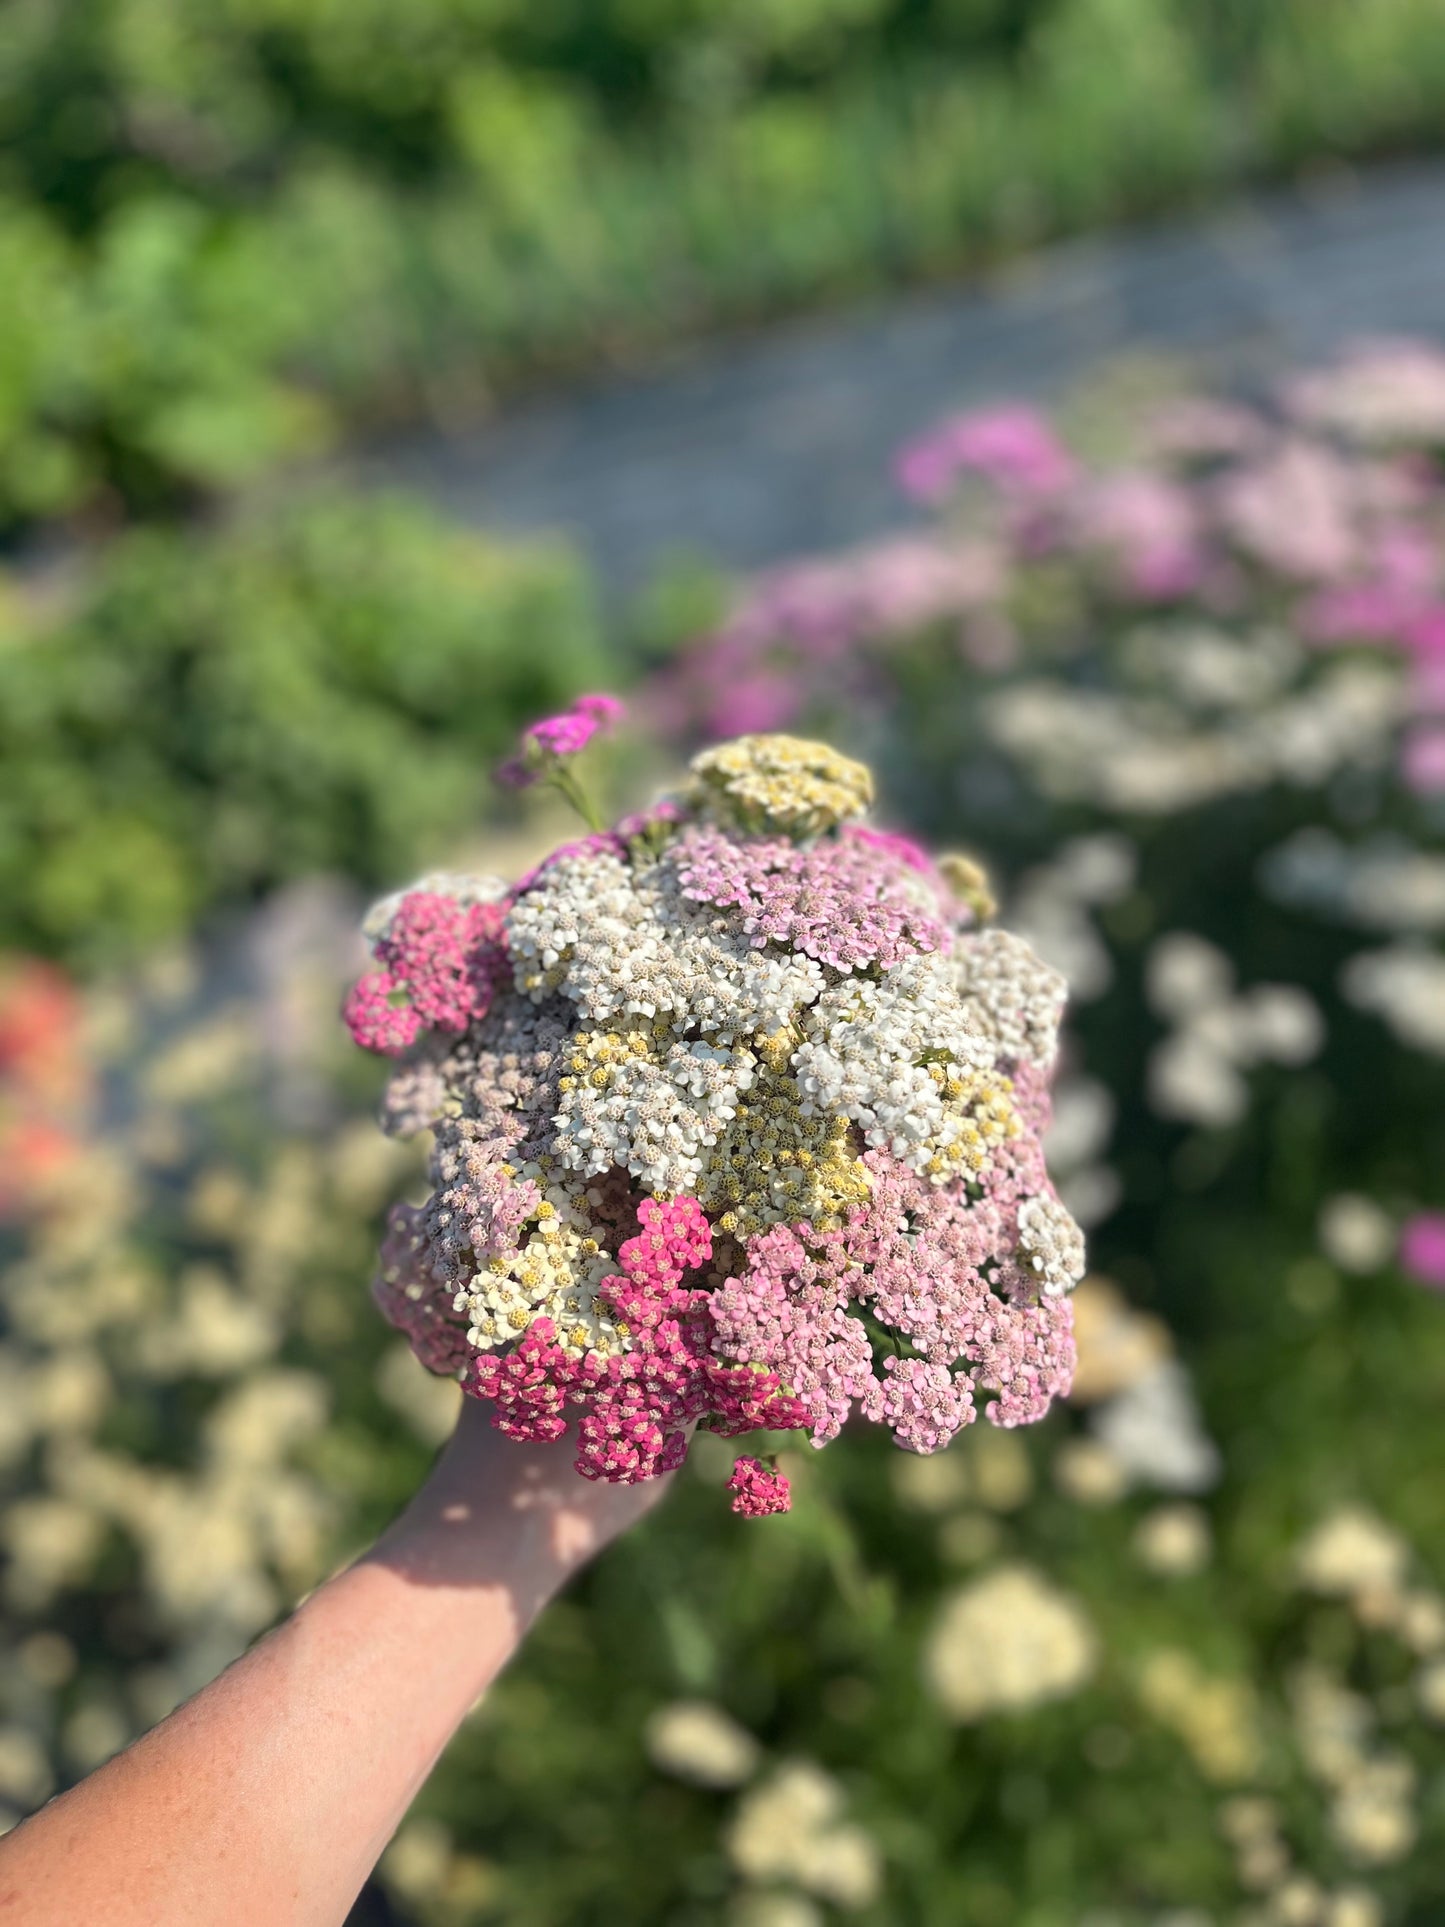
(564, 781)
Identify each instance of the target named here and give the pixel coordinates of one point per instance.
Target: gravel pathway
(752, 449)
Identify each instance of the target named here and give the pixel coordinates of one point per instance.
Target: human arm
(271, 1794)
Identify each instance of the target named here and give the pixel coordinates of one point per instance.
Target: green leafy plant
(320, 688)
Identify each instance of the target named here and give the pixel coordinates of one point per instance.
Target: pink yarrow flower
(602, 709)
(545, 743)
(758, 1489)
(1011, 446)
(1320, 508)
(439, 961)
(1150, 527)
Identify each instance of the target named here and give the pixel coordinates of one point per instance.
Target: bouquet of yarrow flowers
(736, 1112)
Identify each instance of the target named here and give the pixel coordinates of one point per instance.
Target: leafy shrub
(320, 688)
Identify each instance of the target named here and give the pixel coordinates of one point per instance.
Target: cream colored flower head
(780, 784)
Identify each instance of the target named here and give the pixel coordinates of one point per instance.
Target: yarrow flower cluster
(736, 1112)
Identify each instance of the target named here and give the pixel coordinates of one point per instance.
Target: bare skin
(271, 1794)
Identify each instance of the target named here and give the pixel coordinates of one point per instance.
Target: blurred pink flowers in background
(1424, 760)
(1012, 446)
(1389, 391)
(1318, 508)
(1152, 528)
(1422, 1248)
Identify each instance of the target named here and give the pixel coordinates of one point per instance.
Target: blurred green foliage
(322, 688)
(227, 232)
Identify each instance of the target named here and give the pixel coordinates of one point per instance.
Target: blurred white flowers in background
(1216, 1715)
(1197, 1074)
(1145, 1428)
(1350, 1553)
(1152, 1430)
(159, 1441)
(1173, 1541)
(1370, 1791)
(1074, 1144)
(790, 1829)
(1006, 1642)
(1118, 1344)
(697, 1741)
(1385, 883)
(1405, 985)
(1051, 907)
(1200, 716)
(1355, 1233)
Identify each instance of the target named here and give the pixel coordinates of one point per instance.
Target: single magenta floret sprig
(547, 747)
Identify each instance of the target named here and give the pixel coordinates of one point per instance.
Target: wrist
(456, 1539)
(505, 1518)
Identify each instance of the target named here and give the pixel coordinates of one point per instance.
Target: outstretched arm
(271, 1794)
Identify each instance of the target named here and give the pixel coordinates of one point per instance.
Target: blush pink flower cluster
(735, 1115)
(843, 902)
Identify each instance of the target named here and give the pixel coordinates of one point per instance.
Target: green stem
(564, 781)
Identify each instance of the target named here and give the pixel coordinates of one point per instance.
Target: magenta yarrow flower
(1425, 637)
(601, 709)
(562, 735)
(735, 1116)
(546, 743)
